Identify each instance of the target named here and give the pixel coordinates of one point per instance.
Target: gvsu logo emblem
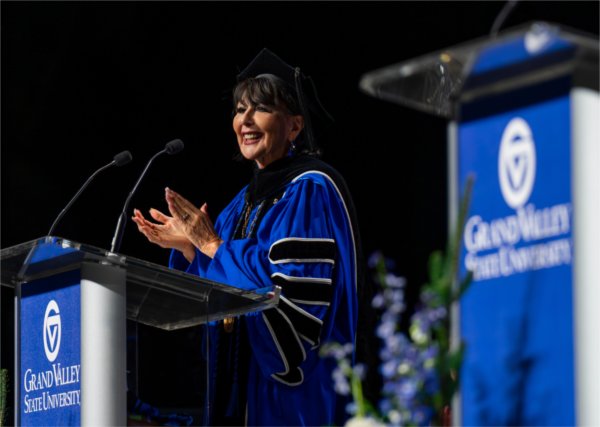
(516, 163)
(52, 331)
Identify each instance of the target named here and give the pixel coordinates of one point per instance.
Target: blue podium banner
(50, 358)
(516, 319)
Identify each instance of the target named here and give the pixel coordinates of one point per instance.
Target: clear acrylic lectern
(71, 305)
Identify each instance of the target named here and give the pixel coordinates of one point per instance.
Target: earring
(293, 146)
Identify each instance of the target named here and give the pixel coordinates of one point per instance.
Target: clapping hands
(187, 228)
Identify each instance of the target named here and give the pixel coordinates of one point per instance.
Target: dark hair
(271, 91)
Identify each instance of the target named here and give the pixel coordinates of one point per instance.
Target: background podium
(72, 302)
(523, 110)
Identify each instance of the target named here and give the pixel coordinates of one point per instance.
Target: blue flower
(351, 408)
(359, 371)
(393, 281)
(422, 415)
(386, 329)
(375, 258)
(408, 388)
(337, 351)
(388, 369)
(378, 301)
(410, 361)
(340, 382)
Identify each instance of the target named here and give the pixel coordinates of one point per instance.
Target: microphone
(172, 147)
(120, 159)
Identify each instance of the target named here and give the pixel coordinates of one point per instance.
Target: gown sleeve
(297, 246)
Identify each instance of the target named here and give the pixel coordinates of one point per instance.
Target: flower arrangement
(419, 367)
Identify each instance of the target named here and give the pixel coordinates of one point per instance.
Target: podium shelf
(156, 295)
(438, 82)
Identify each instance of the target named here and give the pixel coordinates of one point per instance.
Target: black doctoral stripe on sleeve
(294, 377)
(306, 325)
(304, 290)
(302, 249)
(289, 345)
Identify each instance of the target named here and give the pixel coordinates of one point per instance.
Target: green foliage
(444, 290)
(3, 395)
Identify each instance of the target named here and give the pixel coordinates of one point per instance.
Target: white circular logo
(516, 163)
(538, 38)
(52, 331)
(536, 41)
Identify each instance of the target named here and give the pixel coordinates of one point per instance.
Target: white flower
(395, 417)
(363, 422)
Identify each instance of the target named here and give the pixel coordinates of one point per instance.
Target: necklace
(256, 216)
(229, 322)
(246, 231)
(246, 218)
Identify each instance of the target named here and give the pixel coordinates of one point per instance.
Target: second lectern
(522, 110)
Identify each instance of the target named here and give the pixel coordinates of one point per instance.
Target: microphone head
(174, 146)
(122, 158)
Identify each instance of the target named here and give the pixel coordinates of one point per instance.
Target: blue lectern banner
(50, 359)
(516, 320)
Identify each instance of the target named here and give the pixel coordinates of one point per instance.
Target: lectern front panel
(50, 353)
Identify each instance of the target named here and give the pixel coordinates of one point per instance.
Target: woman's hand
(195, 223)
(166, 234)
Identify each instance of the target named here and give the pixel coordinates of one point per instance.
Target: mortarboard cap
(267, 63)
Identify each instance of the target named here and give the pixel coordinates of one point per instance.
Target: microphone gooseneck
(120, 159)
(172, 147)
(501, 17)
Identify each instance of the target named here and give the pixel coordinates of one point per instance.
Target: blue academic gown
(301, 235)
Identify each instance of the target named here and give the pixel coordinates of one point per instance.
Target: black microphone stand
(119, 160)
(172, 147)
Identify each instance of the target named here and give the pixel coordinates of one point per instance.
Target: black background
(82, 81)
